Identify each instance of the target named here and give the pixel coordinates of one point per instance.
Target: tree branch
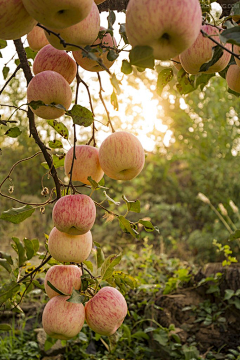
(32, 126)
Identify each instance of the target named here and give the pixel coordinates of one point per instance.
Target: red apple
(61, 319)
(121, 156)
(37, 39)
(86, 164)
(63, 277)
(106, 311)
(169, 27)
(91, 65)
(50, 58)
(81, 34)
(69, 248)
(58, 13)
(233, 78)
(14, 20)
(74, 214)
(201, 52)
(49, 87)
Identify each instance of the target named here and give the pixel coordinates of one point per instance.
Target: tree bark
(120, 5)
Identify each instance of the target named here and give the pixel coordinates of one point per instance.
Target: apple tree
(57, 44)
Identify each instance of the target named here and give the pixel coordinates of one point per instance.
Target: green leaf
(35, 244)
(161, 337)
(114, 100)
(5, 327)
(231, 35)
(49, 343)
(133, 206)
(36, 104)
(185, 85)
(38, 285)
(140, 335)
(142, 56)
(20, 250)
(125, 278)
(5, 72)
(77, 298)
(55, 144)
(28, 248)
(100, 255)
(109, 264)
(88, 264)
(164, 77)
(202, 79)
(110, 200)
(7, 291)
(111, 19)
(81, 115)
(126, 67)
(3, 44)
(228, 294)
(235, 235)
(112, 55)
(59, 127)
(116, 84)
(126, 226)
(13, 132)
(4, 263)
(58, 161)
(55, 289)
(7, 257)
(17, 215)
(217, 54)
(122, 32)
(30, 53)
(148, 226)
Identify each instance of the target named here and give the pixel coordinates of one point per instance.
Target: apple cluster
(174, 30)
(121, 156)
(77, 22)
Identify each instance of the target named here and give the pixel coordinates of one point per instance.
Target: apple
(61, 319)
(201, 52)
(81, 34)
(58, 13)
(14, 20)
(74, 214)
(121, 156)
(49, 87)
(37, 39)
(169, 27)
(233, 78)
(63, 277)
(91, 65)
(50, 58)
(86, 164)
(236, 50)
(106, 311)
(69, 248)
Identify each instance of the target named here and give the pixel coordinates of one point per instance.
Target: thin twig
(65, 44)
(36, 269)
(11, 77)
(218, 43)
(103, 102)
